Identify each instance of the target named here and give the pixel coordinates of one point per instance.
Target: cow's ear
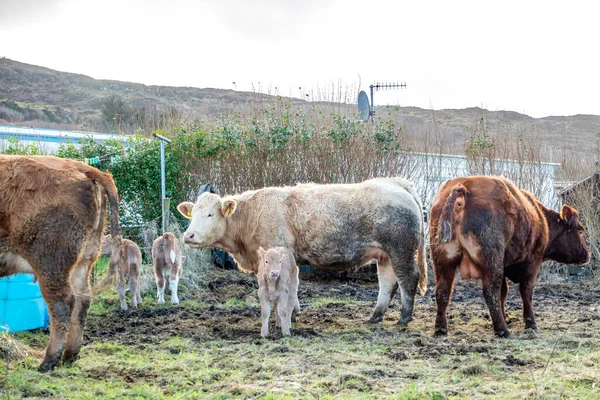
(261, 252)
(567, 213)
(228, 207)
(185, 209)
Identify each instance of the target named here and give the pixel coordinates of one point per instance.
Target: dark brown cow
(493, 231)
(52, 214)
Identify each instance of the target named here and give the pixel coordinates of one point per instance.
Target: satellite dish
(363, 106)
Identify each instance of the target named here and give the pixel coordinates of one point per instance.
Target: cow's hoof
(161, 301)
(69, 359)
(503, 333)
(533, 327)
(405, 321)
(48, 366)
(441, 331)
(375, 319)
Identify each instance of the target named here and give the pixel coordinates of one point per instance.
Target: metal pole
(162, 185)
(164, 201)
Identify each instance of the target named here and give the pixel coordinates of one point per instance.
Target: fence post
(165, 201)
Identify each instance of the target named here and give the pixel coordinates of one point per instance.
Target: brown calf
(130, 267)
(52, 214)
(277, 283)
(492, 231)
(167, 259)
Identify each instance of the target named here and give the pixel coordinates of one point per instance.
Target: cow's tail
(422, 263)
(106, 181)
(421, 252)
(459, 191)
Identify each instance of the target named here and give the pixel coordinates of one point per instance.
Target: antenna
(383, 86)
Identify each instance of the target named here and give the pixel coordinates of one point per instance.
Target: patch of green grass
(235, 302)
(331, 354)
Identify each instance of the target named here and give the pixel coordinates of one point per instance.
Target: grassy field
(209, 346)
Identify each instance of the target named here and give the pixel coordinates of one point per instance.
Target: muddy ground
(333, 306)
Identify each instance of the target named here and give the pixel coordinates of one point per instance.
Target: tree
(116, 113)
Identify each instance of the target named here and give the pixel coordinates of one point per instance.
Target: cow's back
(37, 201)
(331, 224)
(495, 206)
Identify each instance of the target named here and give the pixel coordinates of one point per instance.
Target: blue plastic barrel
(22, 306)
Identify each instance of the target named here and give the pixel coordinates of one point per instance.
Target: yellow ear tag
(189, 213)
(228, 211)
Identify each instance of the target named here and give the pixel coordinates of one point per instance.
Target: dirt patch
(337, 312)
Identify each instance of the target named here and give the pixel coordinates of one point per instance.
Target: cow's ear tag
(189, 213)
(228, 207)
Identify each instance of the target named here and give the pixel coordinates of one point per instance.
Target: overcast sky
(540, 58)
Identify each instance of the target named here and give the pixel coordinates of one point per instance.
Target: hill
(37, 96)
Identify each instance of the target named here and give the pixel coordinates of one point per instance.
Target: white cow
(278, 284)
(336, 226)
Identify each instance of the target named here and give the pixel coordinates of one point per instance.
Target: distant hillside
(38, 96)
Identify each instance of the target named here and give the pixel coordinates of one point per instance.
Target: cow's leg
(408, 277)
(138, 294)
(503, 296)
(282, 311)
(59, 298)
(160, 286)
(121, 290)
(173, 283)
(265, 312)
(388, 285)
(277, 316)
(296, 309)
(526, 290)
(134, 285)
(493, 280)
(83, 298)
(445, 273)
(292, 302)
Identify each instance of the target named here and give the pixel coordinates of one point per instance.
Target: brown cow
(52, 214)
(130, 267)
(167, 259)
(277, 283)
(493, 231)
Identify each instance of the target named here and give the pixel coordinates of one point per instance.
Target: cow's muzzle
(191, 239)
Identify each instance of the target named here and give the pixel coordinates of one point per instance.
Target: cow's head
(271, 263)
(208, 219)
(106, 244)
(569, 245)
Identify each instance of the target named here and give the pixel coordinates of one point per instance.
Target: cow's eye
(210, 215)
(581, 233)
